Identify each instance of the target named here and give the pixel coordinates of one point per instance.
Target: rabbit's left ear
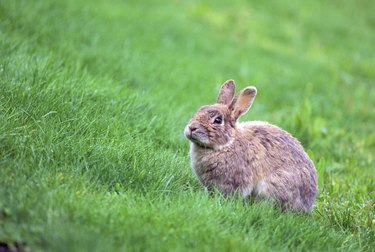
(241, 104)
(226, 92)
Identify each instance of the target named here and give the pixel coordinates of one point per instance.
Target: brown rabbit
(254, 159)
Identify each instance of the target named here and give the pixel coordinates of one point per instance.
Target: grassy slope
(94, 98)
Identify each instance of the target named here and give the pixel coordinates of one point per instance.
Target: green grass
(94, 96)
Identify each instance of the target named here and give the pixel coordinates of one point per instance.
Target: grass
(94, 96)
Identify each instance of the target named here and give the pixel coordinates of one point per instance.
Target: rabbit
(251, 159)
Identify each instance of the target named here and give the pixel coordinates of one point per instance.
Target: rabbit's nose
(192, 128)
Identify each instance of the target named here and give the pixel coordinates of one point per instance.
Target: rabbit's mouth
(198, 137)
(199, 142)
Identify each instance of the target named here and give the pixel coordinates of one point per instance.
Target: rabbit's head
(214, 126)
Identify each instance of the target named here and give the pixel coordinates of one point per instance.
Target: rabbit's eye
(218, 120)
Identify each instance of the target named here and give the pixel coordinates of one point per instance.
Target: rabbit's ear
(226, 92)
(242, 102)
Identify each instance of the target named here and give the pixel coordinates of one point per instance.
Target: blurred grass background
(94, 96)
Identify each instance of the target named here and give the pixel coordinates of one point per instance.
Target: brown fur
(253, 159)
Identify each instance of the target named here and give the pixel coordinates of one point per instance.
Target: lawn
(94, 97)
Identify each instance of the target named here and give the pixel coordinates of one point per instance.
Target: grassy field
(94, 96)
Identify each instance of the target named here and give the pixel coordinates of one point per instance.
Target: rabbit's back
(271, 146)
(288, 174)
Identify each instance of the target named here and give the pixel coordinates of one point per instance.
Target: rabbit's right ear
(226, 92)
(241, 104)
